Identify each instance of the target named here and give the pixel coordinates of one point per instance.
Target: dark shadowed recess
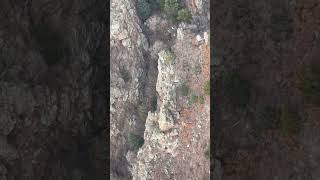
(53, 84)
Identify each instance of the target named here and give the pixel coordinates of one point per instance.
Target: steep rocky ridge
(130, 72)
(176, 135)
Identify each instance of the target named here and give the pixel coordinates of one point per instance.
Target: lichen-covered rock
(180, 33)
(160, 146)
(166, 88)
(199, 4)
(166, 120)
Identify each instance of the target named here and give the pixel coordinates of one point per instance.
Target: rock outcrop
(176, 130)
(166, 88)
(176, 135)
(128, 75)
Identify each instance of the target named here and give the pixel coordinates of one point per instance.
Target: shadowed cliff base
(262, 57)
(53, 77)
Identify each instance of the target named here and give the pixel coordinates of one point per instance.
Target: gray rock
(127, 76)
(155, 23)
(156, 48)
(199, 4)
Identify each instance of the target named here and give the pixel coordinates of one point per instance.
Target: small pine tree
(154, 4)
(184, 15)
(206, 87)
(135, 141)
(170, 8)
(143, 9)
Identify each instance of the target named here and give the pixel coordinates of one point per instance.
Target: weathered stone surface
(156, 22)
(164, 131)
(199, 4)
(128, 45)
(156, 48)
(163, 146)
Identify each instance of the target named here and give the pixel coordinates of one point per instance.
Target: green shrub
(311, 84)
(184, 89)
(237, 89)
(206, 87)
(194, 98)
(201, 99)
(184, 15)
(154, 4)
(135, 141)
(143, 9)
(154, 103)
(290, 121)
(170, 8)
(207, 153)
(142, 110)
(161, 4)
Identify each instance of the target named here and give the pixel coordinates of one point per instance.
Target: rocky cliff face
(173, 69)
(128, 74)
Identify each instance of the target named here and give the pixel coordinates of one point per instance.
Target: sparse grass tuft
(194, 98)
(184, 89)
(201, 99)
(206, 87)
